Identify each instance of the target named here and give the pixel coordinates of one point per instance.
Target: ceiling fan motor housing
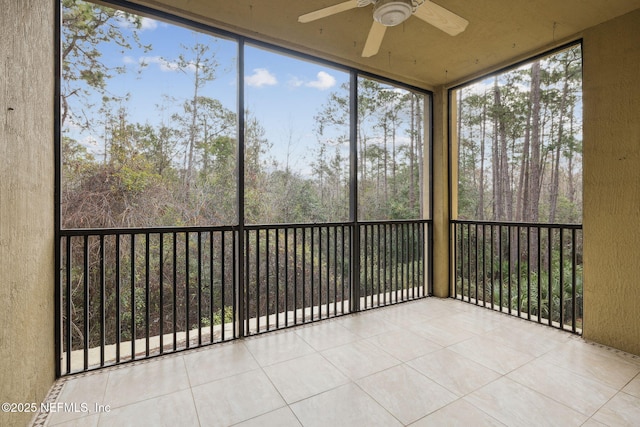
(392, 12)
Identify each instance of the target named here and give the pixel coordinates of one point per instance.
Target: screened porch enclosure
(215, 187)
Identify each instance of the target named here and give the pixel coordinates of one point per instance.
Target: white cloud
(125, 21)
(323, 81)
(128, 60)
(148, 24)
(261, 77)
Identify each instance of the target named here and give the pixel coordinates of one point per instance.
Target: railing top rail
(296, 225)
(142, 230)
(396, 221)
(518, 224)
(195, 229)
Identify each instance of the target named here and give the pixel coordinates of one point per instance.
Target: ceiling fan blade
(374, 39)
(441, 18)
(328, 11)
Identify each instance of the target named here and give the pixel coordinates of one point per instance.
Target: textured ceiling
(499, 32)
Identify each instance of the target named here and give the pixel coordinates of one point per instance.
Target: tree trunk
(534, 183)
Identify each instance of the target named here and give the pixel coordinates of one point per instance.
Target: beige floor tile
(169, 410)
(441, 335)
(455, 372)
(359, 359)
(282, 417)
(404, 345)
(346, 406)
(633, 388)
(305, 376)
(583, 394)
(476, 322)
(88, 389)
(622, 410)
(516, 405)
(235, 399)
(325, 335)
(491, 354)
(405, 393)
(521, 338)
(458, 414)
(366, 324)
(147, 380)
(277, 347)
(218, 362)
(405, 318)
(87, 421)
(598, 363)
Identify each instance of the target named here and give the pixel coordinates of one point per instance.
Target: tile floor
(430, 362)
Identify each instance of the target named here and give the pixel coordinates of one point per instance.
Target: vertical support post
(57, 153)
(354, 292)
(239, 264)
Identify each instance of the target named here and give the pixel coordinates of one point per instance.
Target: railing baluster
(277, 251)
(539, 272)
(268, 276)
(211, 292)
(312, 274)
(132, 303)
(102, 298)
(118, 298)
(294, 265)
(69, 323)
(247, 281)
(257, 282)
(327, 260)
(223, 284)
(187, 284)
(528, 273)
(146, 293)
(175, 289)
(335, 271)
(561, 281)
(573, 280)
(286, 277)
(500, 237)
(550, 275)
(492, 261)
(199, 296)
(161, 290)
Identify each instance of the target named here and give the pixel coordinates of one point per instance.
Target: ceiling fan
(388, 13)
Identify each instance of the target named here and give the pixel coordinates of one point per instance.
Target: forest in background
(181, 170)
(520, 143)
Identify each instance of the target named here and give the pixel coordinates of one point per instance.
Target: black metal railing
(130, 294)
(134, 293)
(392, 265)
(296, 274)
(529, 270)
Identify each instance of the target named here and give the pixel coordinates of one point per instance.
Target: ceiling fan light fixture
(392, 12)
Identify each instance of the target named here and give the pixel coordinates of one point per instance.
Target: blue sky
(284, 93)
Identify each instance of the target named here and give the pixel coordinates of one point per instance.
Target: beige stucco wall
(612, 183)
(26, 203)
